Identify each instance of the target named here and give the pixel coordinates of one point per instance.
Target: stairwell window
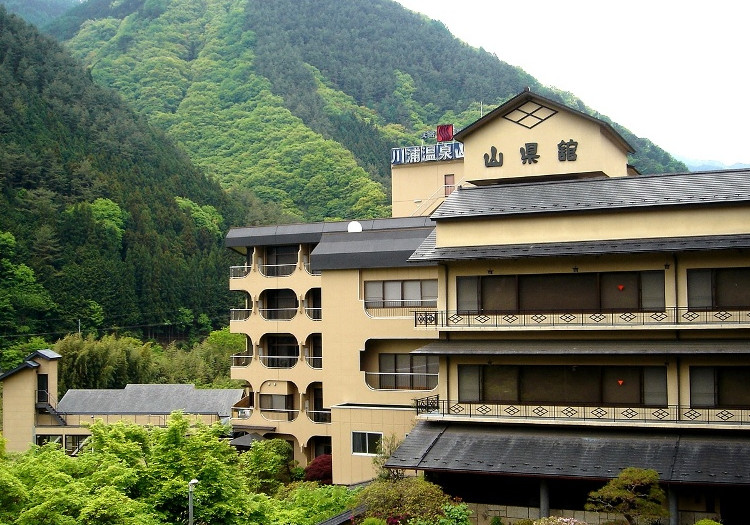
(401, 294)
(366, 442)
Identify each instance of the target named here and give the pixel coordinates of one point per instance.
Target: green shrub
(404, 499)
(496, 521)
(525, 522)
(373, 521)
(707, 522)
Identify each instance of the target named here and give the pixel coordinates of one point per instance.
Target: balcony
(278, 314)
(401, 380)
(277, 270)
(239, 272)
(433, 407)
(669, 318)
(279, 414)
(319, 416)
(242, 359)
(279, 361)
(240, 314)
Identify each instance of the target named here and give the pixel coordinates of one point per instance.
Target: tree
(320, 469)
(404, 499)
(634, 493)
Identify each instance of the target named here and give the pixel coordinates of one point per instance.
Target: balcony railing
(279, 414)
(401, 380)
(278, 314)
(242, 413)
(242, 359)
(238, 272)
(433, 406)
(279, 361)
(314, 361)
(309, 269)
(277, 270)
(240, 314)
(668, 317)
(316, 314)
(396, 311)
(319, 416)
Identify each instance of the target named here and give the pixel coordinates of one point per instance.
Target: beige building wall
(349, 467)
(418, 189)
(19, 412)
(596, 151)
(626, 224)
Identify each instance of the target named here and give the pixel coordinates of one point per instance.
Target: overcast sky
(675, 72)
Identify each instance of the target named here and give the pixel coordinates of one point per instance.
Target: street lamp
(192, 483)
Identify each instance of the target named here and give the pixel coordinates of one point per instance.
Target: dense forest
(298, 101)
(126, 154)
(104, 223)
(39, 12)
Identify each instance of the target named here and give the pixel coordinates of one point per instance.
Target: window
(718, 288)
(719, 386)
(366, 442)
(406, 371)
(608, 291)
(73, 444)
(280, 404)
(280, 304)
(395, 294)
(449, 183)
(280, 260)
(282, 351)
(562, 385)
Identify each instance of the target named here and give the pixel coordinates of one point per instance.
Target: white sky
(675, 72)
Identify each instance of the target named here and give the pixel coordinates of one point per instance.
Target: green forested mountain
(103, 221)
(298, 101)
(38, 12)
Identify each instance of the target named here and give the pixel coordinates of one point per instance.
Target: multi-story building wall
(540, 317)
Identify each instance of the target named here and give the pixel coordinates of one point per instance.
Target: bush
(707, 522)
(320, 469)
(373, 521)
(496, 521)
(525, 522)
(404, 499)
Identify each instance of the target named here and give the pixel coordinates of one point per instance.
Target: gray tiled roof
(28, 362)
(680, 189)
(428, 251)
(150, 399)
(368, 249)
(312, 232)
(574, 453)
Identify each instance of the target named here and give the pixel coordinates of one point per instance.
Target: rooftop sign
(432, 152)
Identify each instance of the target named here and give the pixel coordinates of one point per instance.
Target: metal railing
(434, 406)
(668, 317)
(278, 314)
(279, 414)
(309, 269)
(319, 416)
(242, 359)
(316, 314)
(238, 272)
(279, 361)
(314, 361)
(277, 270)
(401, 380)
(373, 309)
(240, 314)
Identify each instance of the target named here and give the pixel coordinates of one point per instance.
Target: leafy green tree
(404, 499)
(267, 465)
(634, 493)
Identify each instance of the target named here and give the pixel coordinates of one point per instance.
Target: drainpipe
(674, 513)
(544, 499)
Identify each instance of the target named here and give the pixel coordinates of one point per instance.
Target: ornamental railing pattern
(668, 317)
(434, 406)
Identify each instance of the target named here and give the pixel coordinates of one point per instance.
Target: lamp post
(192, 483)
